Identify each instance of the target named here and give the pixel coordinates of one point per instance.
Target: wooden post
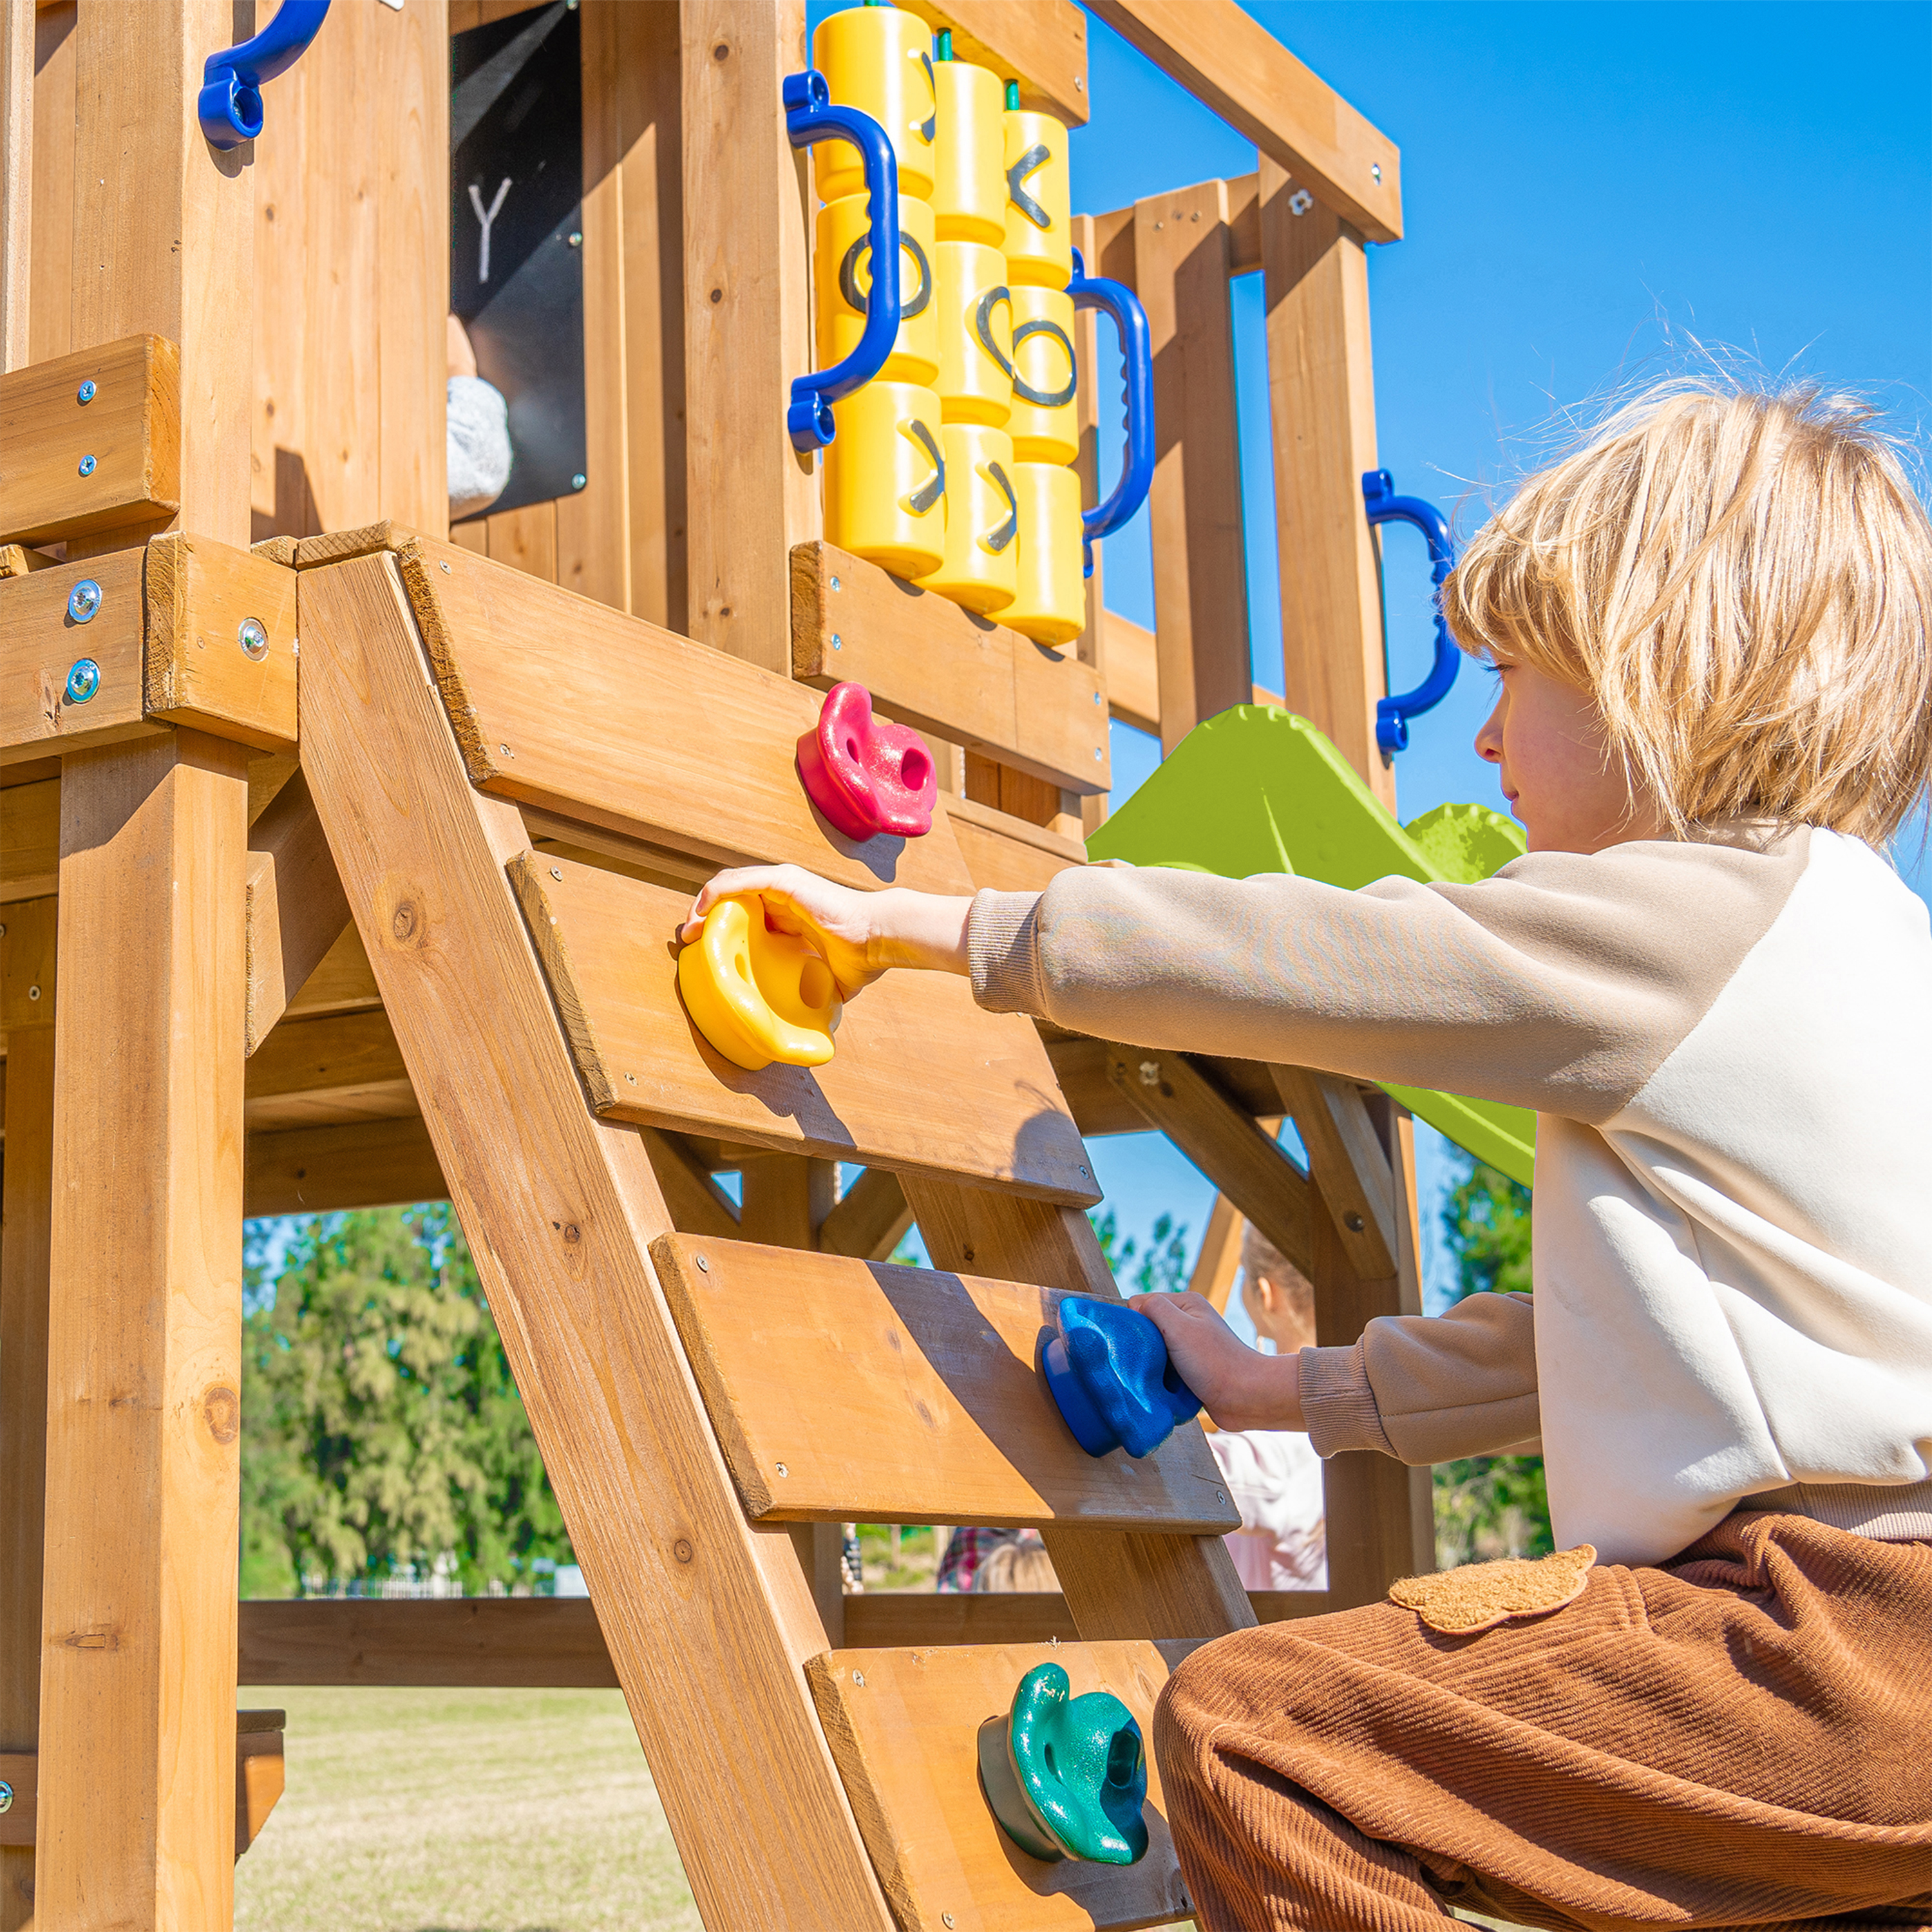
(23, 1415)
(17, 176)
(1182, 258)
(751, 496)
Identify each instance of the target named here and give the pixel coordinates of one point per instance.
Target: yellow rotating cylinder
(1038, 228)
(885, 478)
(1044, 424)
(841, 274)
(1049, 584)
(982, 519)
(878, 59)
(975, 332)
(969, 186)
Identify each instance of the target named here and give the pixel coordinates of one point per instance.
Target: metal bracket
(230, 101)
(1384, 505)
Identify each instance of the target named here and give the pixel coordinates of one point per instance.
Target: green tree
(382, 1434)
(1163, 1268)
(1488, 1506)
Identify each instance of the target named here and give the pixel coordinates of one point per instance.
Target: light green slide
(1259, 789)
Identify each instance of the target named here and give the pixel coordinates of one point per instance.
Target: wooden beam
(936, 667)
(559, 1206)
(17, 180)
(749, 495)
(1043, 46)
(1346, 1162)
(1228, 59)
(1133, 672)
(312, 1072)
(871, 1219)
(1222, 1139)
(29, 840)
(1006, 854)
(39, 645)
(137, 1692)
(608, 949)
(1182, 252)
(1321, 400)
(296, 911)
(842, 1390)
(359, 1164)
(698, 1204)
(28, 965)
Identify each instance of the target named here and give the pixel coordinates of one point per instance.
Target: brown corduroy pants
(1743, 1737)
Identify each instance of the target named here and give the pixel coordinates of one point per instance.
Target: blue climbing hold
(1107, 1370)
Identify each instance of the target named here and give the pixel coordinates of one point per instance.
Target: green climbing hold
(1065, 1776)
(1259, 790)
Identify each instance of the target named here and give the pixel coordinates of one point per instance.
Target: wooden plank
(1182, 252)
(1228, 59)
(650, 129)
(1347, 1164)
(843, 1391)
(297, 912)
(936, 667)
(26, 1210)
(343, 983)
(1244, 225)
(1043, 46)
(1006, 854)
(525, 540)
(27, 965)
(39, 644)
(16, 179)
(260, 1773)
(903, 1726)
(608, 949)
(892, 1619)
(1118, 1583)
(29, 839)
(203, 597)
(1321, 402)
(359, 1164)
(1133, 673)
(70, 469)
(559, 1206)
(1222, 1139)
(749, 495)
(311, 1073)
(50, 331)
(564, 704)
(871, 1219)
(137, 1692)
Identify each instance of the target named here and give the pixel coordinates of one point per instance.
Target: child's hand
(861, 935)
(1238, 1386)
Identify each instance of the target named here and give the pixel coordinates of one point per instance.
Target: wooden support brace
(870, 1219)
(297, 909)
(29, 840)
(357, 1164)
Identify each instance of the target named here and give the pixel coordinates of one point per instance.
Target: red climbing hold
(866, 776)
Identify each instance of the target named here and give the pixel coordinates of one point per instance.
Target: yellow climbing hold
(758, 995)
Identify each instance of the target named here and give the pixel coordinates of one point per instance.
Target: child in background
(1711, 628)
(1274, 1475)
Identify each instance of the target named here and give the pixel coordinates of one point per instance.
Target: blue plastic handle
(811, 116)
(1117, 300)
(1384, 506)
(230, 101)
(1107, 1369)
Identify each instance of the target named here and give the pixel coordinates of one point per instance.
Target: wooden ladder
(519, 787)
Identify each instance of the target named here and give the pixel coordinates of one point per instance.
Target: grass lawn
(461, 1811)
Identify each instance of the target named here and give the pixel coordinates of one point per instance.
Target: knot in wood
(682, 1549)
(403, 922)
(221, 1410)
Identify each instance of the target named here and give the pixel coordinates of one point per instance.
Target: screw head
(1300, 201)
(87, 392)
(838, 642)
(945, 1918)
(33, 992)
(577, 482)
(83, 600)
(83, 680)
(836, 585)
(859, 1679)
(1096, 698)
(252, 634)
(445, 570)
(1354, 1223)
(87, 466)
(1096, 755)
(1150, 1072)
(6, 1796)
(576, 238)
(556, 873)
(1375, 169)
(703, 1266)
(781, 1469)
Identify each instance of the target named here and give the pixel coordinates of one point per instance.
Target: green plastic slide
(1259, 789)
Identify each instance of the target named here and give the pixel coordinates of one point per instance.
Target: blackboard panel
(516, 276)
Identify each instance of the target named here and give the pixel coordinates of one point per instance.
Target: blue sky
(1590, 190)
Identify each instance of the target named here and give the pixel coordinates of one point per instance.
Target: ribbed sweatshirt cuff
(1002, 949)
(1337, 1403)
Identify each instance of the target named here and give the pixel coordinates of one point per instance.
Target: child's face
(1547, 742)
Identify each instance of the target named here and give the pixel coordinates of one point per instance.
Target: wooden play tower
(340, 854)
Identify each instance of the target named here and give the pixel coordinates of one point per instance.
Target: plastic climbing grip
(867, 776)
(1107, 1369)
(1065, 1776)
(229, 104)
(758, 995)
(1384, 506)
(1116, 300)
(810, 116)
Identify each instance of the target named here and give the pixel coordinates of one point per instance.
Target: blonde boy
(1710, 627)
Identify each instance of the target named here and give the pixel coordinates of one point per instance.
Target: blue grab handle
(811, 116)
(1117, 300)
(230, 104)
(1383, 506)
(1107, 1368)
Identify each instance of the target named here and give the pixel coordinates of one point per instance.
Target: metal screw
(1196, 216)
(703, 1266)
(782, 1470)
(1096, 755)
(633, 1079)
(556, 874)
(577, 238)
(502, 751)
(838, 642)
(87, 392)
(1220, 1496)
(445, 570)
(1353, 1222)
(6, 1797)
(1080, 83)
(577, 482)
(1096, 698)
(859, 1679)
(83, 600)
(253, 636)
(1150, 1073)
(1089, 1176)
(836, 585)
(87, 466)
(1375, 169)
(1158, 226)
(945, 1918)
(33, 992)
(83, 680)
(1300, 201)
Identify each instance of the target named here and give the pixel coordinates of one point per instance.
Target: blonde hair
(1260, 1257)
(1015, 1567)
(1743, 579)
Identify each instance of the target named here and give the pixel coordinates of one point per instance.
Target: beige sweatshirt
(1728, 1042)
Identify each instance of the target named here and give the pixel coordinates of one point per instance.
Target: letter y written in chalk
(484, 220)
